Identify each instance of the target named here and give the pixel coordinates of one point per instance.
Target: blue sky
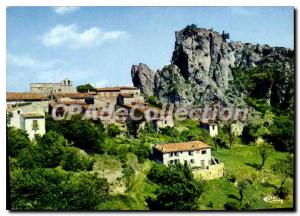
(98, 45)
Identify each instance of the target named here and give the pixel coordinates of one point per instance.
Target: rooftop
(32, 115)
(21, 96)
(74, 95)
(183, 146)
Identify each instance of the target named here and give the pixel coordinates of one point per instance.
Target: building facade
(28, 117)
(65, 86)
(211, 128)
(14, 99)
(196, 154)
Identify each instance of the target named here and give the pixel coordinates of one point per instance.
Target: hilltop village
(28, 112)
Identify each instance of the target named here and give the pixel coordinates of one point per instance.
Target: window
(203, 152)
(176, 153)
(176, 161)
(191, 153)
(171, 154)
(171, 162)
(35, 125)
(192, 161)
(19, 111)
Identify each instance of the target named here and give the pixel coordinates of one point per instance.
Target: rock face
(143, 78)
(201, 69)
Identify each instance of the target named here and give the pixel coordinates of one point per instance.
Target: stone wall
(213, 172)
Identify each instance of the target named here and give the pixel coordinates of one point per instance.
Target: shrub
(232, 206)
(74, 159)
(16, 141)
(113, 130)
(282, 192)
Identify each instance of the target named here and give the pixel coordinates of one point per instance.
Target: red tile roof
(108, 89)
(75, 95)
(22, 96)
(183, 146)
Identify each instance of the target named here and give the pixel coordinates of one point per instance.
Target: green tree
(85, 88)
(16, 141)
(284, 168)
(264, 150)
(169, 131)
(282, 134)
(56, 189)
(178, 190)
(134, 125)
(84, 134)
(230, 133)
(242, 186)
(84, 191)
(49, 149)
(74, 159)
(113, 130)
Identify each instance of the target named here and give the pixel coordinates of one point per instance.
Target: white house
(14, 99)
(28, 117)
(33, 124)
(211, 128)
(196, 154)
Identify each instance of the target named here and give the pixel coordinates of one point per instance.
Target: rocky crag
(201, 69)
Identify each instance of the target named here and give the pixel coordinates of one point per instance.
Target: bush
(282, 192)
(154, 101)
(16, 141)
(50, 149)
(232, 206)
(74, 159)
(84, 134)
(85, 88)
(46, 153)
(178, 190)
(55, 189)
(169, 131)
(113, 130)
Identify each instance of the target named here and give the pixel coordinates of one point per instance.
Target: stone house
(210, 127)
(28, 117)
(65, 86)
(196, 154)
(127, 98)
(17, 98)
(121, 94)
(75, 97)
(153, 116)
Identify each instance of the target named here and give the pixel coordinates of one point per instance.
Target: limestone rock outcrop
(201, 69)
